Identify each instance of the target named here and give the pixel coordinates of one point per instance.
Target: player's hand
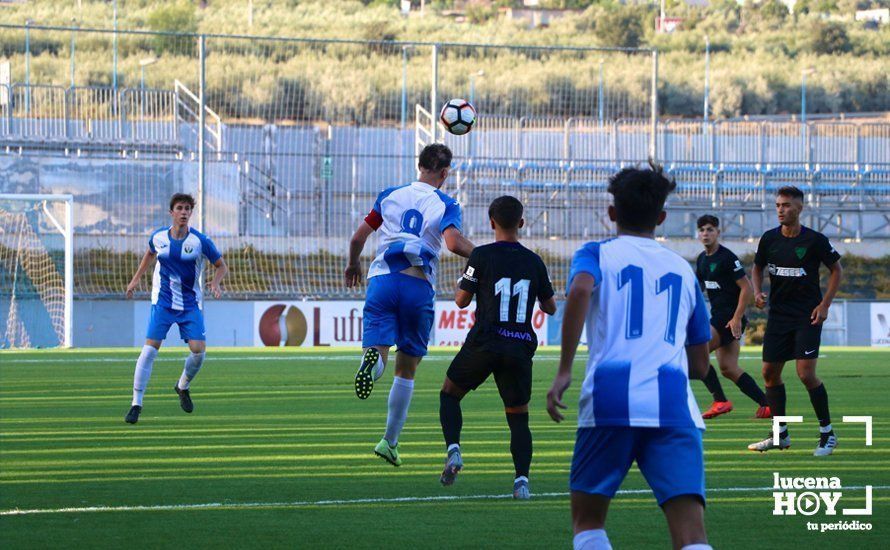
(353, 275)
(735, 327)
(819, 314)
(554, 396)
(131, 288)
(760, 300)
(215, 290)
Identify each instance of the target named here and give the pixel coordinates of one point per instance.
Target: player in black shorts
(506, 278)
(721, 274)
(792, 254)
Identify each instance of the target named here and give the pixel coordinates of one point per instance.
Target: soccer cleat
(763, 412)
(767, 444)
(453, 464)
(367, 374)
(717, 408)
(827, 444)
(520, 490)
(388, 452)
(133, 415)
(185, 400)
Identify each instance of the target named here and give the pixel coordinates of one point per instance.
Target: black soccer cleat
(185, 400)
(133, 416)
(364, 378)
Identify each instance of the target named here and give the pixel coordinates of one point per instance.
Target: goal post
(36, 270)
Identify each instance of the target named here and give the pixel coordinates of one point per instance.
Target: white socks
(593, 539)
(143, 372)
(596, 539)
(192, 365)
(399, 401)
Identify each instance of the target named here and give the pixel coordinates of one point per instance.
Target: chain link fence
(286, 142)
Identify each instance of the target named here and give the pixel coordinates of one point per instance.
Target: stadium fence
(286, 142)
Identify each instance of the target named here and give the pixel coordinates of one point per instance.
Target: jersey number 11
(502, 287)
(671, 283)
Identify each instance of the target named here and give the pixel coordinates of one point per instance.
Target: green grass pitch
(278, 453)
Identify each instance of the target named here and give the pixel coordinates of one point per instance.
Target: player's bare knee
(453, 389)
(521, 409)
(197, 346)
(772, 374)
(809, 378)
(730, 371)
(588, 511)
(406, 365)
(686, 520)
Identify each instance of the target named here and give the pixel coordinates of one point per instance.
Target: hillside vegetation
(758, 52)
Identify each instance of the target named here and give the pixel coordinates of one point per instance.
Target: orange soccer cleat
(717, 408)
(763, 412)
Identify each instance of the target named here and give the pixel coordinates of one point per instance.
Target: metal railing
(80, 115)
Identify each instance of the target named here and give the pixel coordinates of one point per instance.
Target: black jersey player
(506, 279)
(722, 275)
(793, 254)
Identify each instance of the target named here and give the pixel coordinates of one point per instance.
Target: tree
(179, 18)
(830, 38)
(620, 28)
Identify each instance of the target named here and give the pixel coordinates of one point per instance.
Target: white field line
(251, 358)
(346, 502)
(210, 357)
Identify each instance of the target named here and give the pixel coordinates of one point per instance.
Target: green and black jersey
(718, 275)
(793, 265)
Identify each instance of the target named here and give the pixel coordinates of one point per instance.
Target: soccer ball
(458, 116)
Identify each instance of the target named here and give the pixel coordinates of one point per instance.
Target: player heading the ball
(647, 332)
(177, 297)
(412, 221)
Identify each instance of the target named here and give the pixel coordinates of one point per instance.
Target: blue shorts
(671, 460)
(191, 323)
(399, 309)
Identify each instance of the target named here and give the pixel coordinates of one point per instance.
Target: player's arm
(546, 296)
(456, 242)
(820, 313)
(735, 324)
(577, 302)
(698, 358)
(760, 260)
(353, 274)
(462, 298)
(757, 282)
(221, 269)
(468, 284)
(548, 306)
(698, 334)
(147, 259)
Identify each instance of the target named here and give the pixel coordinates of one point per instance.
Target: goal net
(36, 271)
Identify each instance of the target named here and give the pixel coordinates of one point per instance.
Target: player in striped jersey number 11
(648, 330)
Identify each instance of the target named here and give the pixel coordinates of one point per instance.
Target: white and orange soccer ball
(458, 116)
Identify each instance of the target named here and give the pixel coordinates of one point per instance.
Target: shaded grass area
(275, 434)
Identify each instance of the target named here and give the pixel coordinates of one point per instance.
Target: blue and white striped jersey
(411, 219)
(177, 282)
(645, 308)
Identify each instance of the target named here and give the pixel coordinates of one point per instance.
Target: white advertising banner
(452, 324)
(880, 324)
(308, 324)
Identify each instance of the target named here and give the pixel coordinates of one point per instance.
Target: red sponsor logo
(456, 319)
